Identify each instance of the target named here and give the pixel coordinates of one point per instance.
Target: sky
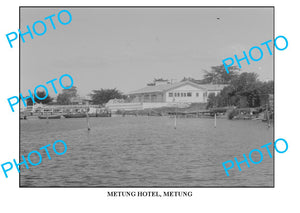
(126, 48)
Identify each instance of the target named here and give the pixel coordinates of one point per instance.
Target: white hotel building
(181, 92)
(162, 93)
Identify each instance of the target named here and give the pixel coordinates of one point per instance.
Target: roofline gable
(185, 83)
(166, 88)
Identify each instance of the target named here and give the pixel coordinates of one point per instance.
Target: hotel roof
(167, 87)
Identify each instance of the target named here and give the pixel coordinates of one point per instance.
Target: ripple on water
(145, 151)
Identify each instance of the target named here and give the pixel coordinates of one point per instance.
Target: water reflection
(145, 151)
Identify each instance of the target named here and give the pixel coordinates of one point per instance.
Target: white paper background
(284, 197)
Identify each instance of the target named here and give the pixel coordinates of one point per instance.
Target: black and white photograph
(141, 97)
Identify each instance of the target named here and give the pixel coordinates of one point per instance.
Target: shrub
(232, 113)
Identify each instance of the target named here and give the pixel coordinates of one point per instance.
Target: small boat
(83, 115)
(75, 115)
(103, 114)
(49, 116)
(23, 117)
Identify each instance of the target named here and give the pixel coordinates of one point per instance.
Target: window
(189, 94)
(170, 94)
(197, 94)
(181, 94)
(184, 94)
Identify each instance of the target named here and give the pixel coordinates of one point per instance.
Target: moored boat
(75, 115)
(103, 114)
(49, 116)
(24, 117)
(83, 115)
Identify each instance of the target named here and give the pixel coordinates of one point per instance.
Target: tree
(193, 80)
(244, 90)
(72, 92)
(244, 82)
(104, 95)
(227, 96)
(264, 90)
(218, 75)
(40, 94)
(211, 101)
(64, 98)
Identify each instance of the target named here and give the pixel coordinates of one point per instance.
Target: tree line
(243, 90)
(67, 96)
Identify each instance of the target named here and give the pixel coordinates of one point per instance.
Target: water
(145, 151)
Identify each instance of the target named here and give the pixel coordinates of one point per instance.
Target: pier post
(215, 120)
